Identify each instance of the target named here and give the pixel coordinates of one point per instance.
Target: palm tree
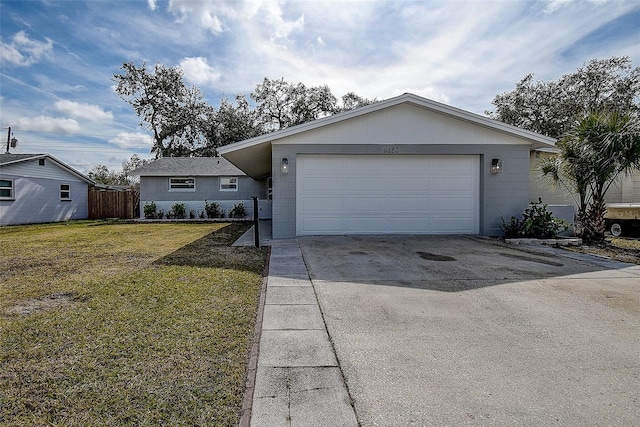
(598, 150)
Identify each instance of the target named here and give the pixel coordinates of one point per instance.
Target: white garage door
(353, 194)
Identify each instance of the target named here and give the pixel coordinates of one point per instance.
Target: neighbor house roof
(254, 155)
(9, 159)
(188, 166)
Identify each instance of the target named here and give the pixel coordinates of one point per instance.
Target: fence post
(256, 226)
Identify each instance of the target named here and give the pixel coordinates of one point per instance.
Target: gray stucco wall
(38, 200)
(501, 195)
(156, 189)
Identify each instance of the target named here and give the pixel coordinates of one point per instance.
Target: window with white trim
(6, 189)
(182, 184)
(65, 192)
(229, 183)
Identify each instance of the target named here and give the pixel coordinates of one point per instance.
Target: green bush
(178, 210)
(238, 211)
(213, 209)
(536, 222)
(150, 210)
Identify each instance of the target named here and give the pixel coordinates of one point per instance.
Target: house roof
(254, 155)
(188, 166)
(9, 159)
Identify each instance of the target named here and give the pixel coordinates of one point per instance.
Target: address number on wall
(393, 149)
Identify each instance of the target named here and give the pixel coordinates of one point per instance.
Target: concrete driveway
(463, 331)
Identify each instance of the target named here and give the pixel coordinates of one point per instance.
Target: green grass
(153, 328)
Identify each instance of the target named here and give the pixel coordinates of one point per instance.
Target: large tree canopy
(280, 104)
(551, 108)
(183, 124)
(174, 112)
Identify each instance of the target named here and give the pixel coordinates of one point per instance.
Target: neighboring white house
(403, 165)
(38, 188)
(192, 180)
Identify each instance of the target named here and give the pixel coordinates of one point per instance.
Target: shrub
(178, 210)
(213, 209)
(192, 214)
(238, 211)
(537, 222)
(150, 210)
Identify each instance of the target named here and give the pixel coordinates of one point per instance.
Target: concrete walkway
(298, 381)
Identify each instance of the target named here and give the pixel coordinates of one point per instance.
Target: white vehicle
(622, 218)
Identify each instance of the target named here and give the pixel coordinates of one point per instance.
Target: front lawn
(125, 324)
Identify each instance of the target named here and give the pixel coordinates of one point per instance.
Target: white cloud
(23, 51)
(218, 17)
(47, 124)
(132, 140)
(198, 71)
(83, 111)
(152, 4)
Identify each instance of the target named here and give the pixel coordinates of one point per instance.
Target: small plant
(192, 214)
(160, 214)
(213, 209)
(178, 210)
(238, 211)
(201, 216)
(150, 210)
(536, 222)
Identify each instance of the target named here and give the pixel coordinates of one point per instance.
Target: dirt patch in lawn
(47, 302)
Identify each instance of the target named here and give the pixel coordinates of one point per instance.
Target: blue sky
(59, 57)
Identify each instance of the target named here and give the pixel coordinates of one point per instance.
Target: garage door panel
(407, 184)
(321, 225)
(409, 204)
(355, 185)
(450, 225)
(458, 205)
(370, 225)
(409, 165)
(358, 205)
(452, 183)
(368, 194)
(321, 204)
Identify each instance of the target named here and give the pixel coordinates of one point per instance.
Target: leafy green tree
(175, 113)
(103, 175)
(599, 149)
(552, 107)
(232, 122)
(351, 101)
(280, 104)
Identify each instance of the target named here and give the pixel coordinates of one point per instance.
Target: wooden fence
(123, 204)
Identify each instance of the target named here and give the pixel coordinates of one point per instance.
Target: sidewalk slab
(289, 348)
(301, 397)
(292, 317)
(290, 295)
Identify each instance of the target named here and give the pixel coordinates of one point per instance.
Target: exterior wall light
(284, 166)
(496, 166)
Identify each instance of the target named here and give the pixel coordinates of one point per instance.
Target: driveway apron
(442, 330)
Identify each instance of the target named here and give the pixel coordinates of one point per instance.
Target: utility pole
(11, 142)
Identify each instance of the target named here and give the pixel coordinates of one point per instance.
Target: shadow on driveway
(442, 263)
